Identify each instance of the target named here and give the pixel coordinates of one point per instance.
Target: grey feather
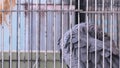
(67, 39)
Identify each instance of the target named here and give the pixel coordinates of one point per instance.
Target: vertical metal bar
(46, 35)
(54, 31)
(87, 65)
(62, 29)
(29, 35)
(103, 21)
(17, 23)
(108, 25)
(25, 33)
(118, 32)
(31, 32)
(78, 34)
(118, 29)
(37, 30)
(39, 33)
(70, 25)
(118, 36)
(111, 34)
(2, 41)
(10, 36)
(95, 34)
(26, 38)
(2, 45)
(18, 33)
(119, 42)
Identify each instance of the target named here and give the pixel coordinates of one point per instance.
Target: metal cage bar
(18, 34)
(54, 34)
(111, 33)
(2, 41)
(70, 26)
(37, 37)
(95, 34)
(29, 35)
(55, 17)
(10, 37)
(62, 5)
(103, 8)
(78, 34)
(87, 65)
(46, 35)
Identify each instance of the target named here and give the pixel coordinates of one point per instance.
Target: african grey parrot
(72, 41)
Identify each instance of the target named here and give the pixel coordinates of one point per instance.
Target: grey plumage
(65, 47)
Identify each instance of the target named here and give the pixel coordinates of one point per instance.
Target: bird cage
(45, 33)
